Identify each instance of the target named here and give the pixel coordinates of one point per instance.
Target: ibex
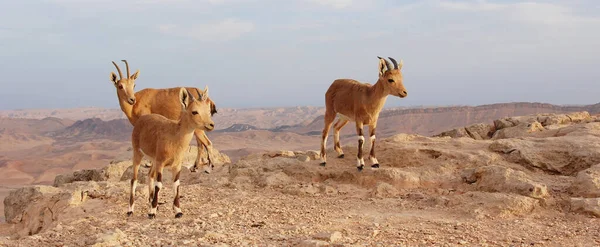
(158, 101)
(165, 141)
(360, 103)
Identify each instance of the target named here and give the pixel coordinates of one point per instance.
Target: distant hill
(430, 121)
(237, 128)
(95, 128)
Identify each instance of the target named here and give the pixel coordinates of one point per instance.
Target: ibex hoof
(360, 168)
(375, 166)
(130, 213)
(151, 216)
(179, 215)
(341, 156)
(323, 163)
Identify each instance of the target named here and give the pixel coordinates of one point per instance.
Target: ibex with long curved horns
(360, 103)
(159, 101)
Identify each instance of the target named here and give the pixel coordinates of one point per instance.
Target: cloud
(226, 30)
(338, 4)
(527, 12)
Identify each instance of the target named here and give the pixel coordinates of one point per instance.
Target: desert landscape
(449, 176)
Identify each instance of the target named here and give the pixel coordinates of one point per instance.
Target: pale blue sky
(251, 53)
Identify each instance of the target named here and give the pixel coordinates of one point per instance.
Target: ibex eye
(194, 113)
(120, 86)
(391, 80)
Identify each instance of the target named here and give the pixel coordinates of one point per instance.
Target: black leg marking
(178, 215)
(375, 166)
(323, 164)
(129, 213)
(360, 168)
(341, 156)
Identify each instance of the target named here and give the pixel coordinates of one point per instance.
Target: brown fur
(159, 101)
(360, 103)
(165, 140)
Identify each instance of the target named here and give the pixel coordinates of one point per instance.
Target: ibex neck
(185, 125)
(377, 96)
(128, 110)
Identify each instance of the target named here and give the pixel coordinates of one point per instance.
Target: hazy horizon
(267, 53)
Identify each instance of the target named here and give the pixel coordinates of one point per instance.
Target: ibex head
(196, 110)
(391, 77)
(125, 85)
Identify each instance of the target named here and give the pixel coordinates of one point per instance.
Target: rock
(553, 119)
(34, 208)
(303, 158)
(217, 157)
(289, 154)
(479, 131)
(397, 177)
(502, 179)
(564, 155)
(590, 206)
(384, 190)
(275, 179)
(114, 171)
(587, 183)
(579, 117)
(314, 155)
(454, 133)
(312, 243)
(81, 175)
(479, 204)
(523, 129)
(504, 123)
(329, 236)
(110, 238)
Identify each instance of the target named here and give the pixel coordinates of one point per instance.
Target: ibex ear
(400, 64)
(184, 98)
(205, 93)
(382, 66)
(213, 107)
(113, 77)
(135, 75)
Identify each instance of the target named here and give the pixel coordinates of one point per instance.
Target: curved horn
(118, 69)
(387, 63)
(192, 98)
(126, 65)
(394, 62)
(199, 94)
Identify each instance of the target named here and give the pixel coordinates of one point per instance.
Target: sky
(267, 53)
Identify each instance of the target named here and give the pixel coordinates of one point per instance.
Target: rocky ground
(524, 181)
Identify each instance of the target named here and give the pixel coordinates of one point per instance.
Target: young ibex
(360, 103)
(159, 101)
(165, 141)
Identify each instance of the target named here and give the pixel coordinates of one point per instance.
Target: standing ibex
(360, 103)
(165, 141)
(158, 101)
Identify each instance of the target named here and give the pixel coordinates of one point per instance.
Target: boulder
(587, 183)
(34, 208)
(503, 179)
(589, 206)
(111, 172)
(314, 155)
(454, 133)
(479, 131)
(564, 155)
(523, 129)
